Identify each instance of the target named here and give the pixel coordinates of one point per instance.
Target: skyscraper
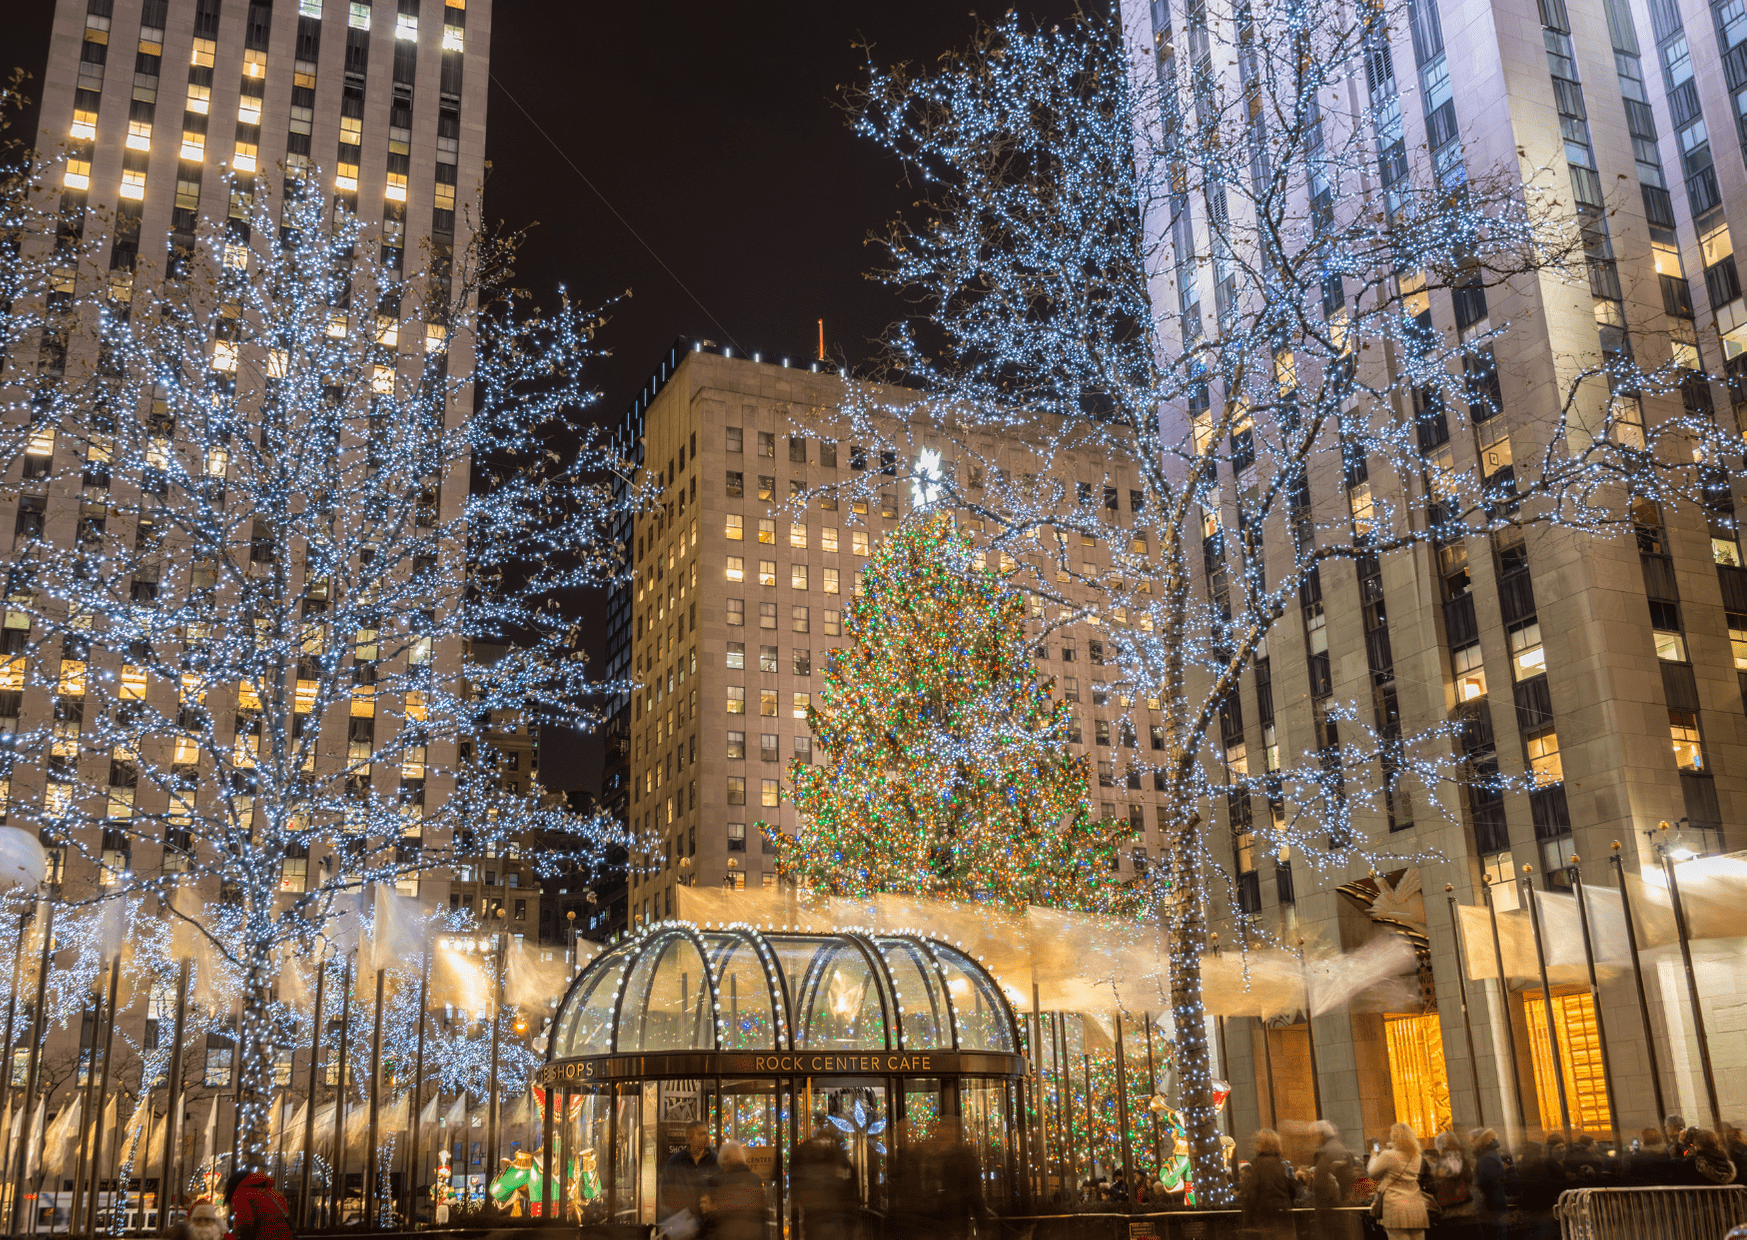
(1604, 674)
(169, 110)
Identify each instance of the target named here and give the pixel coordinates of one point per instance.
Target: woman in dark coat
(736, 1196)
(1268, 1189)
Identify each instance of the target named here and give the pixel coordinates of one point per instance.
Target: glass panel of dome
(840, 1008)
(667, 1000)
(587, 1028)
(976, 1003)
(745, 995)
(924, 1017)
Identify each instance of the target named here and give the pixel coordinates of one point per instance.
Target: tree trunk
(1187, 928)
(254, 1078)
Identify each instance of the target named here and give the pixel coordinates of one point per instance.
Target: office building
(738, 600)
(1605, 672)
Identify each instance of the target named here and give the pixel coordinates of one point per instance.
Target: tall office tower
(739, 598)
(1604, 672)
(170, 110)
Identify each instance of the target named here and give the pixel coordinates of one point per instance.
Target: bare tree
(1198, 268)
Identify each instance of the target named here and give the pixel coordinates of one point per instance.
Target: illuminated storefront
(894, 1049)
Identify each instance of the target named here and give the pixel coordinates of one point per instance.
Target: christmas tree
(946, 766)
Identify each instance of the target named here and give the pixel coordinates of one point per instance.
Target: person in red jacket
(257, 1210)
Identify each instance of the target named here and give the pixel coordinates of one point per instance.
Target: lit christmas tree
(946, 763)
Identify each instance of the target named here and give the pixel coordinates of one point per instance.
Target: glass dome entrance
(678, 988)
(882, 1058)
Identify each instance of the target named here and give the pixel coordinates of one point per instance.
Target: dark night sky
(713, 129)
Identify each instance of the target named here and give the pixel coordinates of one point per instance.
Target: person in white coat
(1396, 1171)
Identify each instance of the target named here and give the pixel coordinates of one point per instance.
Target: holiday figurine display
(442, 1192)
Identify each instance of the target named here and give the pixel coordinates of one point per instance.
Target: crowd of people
(1469, 1187)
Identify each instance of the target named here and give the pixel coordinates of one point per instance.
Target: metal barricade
(1650, 1213)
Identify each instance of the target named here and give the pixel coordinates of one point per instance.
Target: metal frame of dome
(788, 1053)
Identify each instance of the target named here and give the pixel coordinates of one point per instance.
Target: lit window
(767, 615)
(767, 703)
(1364, 517)
(244, 159)
(797, 535)
(766, 531)
(406, 26)
(452, 39)
(1689, 752)
(802, 704)
(736, 789)
(444, 199)
(736, 745)
(736, 654)
(387, 331)
(84, 124)
(831, 581)
(1316, 628)
(1527, 657)
(78, 173)
(224, 356)
(797, 576)
(736, 700)
(395, 191)
(828, 538)
(249, 110)
(1470, 674)
(767, 658)
(133, 184)
(798, 619)
(236, 256)
(1670, 647)
(309, 8)
(769, 794)
(1544, 758)
(435, 338)
(337, 325)
(360, 16)
(202, 54)
(736, 568)
(736, 527)
(767, 572)
(1738, 639)
(254, 66)
(834, 628)
(858, 541)
(193, 146)
(382, 380)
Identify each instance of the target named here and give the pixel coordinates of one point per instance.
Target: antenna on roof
(821, 339)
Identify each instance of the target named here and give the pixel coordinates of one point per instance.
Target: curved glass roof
(678, 988)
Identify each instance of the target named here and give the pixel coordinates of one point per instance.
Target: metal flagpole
(1467, 1020)
(1152, 1089)
(1309, 1033)
(371, 1158)
(1638, 977)
(1039, 1150)
(172, 1105)
(1557, 1064)
(413, 1169)
(315, 1040)
(1122, 1110)
(1516, 1071)
(11, 1020)
(31, 1071)
(1698, 1016)
(76, 1210)
(489, 1166)
(337, 1190)
(103, 1087)
(1607, 1063)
